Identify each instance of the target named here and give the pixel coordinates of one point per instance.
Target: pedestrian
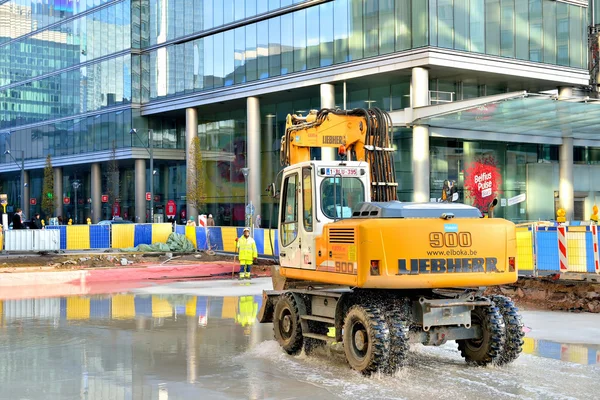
(60, 220)
(17, 222)
(36, 223)
(190, 222)
(210, 221)
(246, 247)
(257, 221)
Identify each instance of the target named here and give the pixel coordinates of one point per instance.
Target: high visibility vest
(247, 249)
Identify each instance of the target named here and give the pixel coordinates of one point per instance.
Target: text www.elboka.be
(452, 252)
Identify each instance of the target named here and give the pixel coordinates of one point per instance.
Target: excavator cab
(313, 194)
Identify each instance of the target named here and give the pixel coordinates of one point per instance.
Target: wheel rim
(285, 324)
(360, 340)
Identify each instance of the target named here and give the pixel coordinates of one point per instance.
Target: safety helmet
(191, 218)
(246, 229)
(209, 215)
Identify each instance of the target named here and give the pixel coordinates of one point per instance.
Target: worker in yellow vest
(246, 247)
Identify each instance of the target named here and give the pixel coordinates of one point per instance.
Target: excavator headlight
(374, 267)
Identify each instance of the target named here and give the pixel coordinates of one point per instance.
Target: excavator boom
(359, 135)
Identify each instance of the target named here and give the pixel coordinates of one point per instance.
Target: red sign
(171, 209)
(105, 198)
(148, 196)
(33, 201)
(483, 182)
(66, 200)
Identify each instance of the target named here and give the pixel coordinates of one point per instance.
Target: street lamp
(150, 151)
(246, 171)
(76, 185)
(22, 166)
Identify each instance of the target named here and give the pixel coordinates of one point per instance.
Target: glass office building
(77, 76)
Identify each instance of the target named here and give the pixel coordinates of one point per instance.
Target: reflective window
(289, 211)
(340, 195)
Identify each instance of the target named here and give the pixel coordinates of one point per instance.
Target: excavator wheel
(399, 344)
(513, 330)
(489, 347)
(286, 324)
(366, 339)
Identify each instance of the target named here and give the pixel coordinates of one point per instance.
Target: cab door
(307, 226)
(289, 239)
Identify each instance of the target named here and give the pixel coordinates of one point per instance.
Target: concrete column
(328, 101)
(270, 159)
(58, 192)
(253, 144)
(420, 149)
(96, 183)
(565, 187)
(191, 131)
(565, 92)
(25, 199)
(164, 176)
(419, 87)
(140, 191)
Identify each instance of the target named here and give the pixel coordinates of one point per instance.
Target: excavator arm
(359, 135)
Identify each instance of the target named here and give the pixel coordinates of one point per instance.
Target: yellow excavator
(378, 273)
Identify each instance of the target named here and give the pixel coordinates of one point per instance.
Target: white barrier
(32, 240)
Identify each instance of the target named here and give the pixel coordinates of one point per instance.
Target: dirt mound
(550, 293)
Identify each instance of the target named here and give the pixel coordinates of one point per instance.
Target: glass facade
(539, 30)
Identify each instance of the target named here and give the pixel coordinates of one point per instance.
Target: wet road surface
(199, 340)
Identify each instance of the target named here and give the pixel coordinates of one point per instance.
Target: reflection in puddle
(125, 346)
(243, 310)
(575, 353)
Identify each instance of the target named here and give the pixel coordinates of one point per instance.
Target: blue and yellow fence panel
(525, 257)
(122, 235)
(161, 232)
(576, 249)
(78, 237)
(228, 235)
(547, 249)
(99, 236)
(215, 237)
(142, 234)
(201, 242)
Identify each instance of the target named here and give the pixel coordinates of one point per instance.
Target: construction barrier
(550, 247)
(122, 236)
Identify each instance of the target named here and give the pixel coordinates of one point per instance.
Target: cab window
(289, 212)
(340, 195)
(307, 207)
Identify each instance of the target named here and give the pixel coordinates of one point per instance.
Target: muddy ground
(111, 259)
(551, 293)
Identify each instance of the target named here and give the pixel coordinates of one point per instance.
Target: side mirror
(272, 191)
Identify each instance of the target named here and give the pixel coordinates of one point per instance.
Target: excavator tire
(513, 330)
(366, 339)
(490, 346)
(286, 324)
(399, 344)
